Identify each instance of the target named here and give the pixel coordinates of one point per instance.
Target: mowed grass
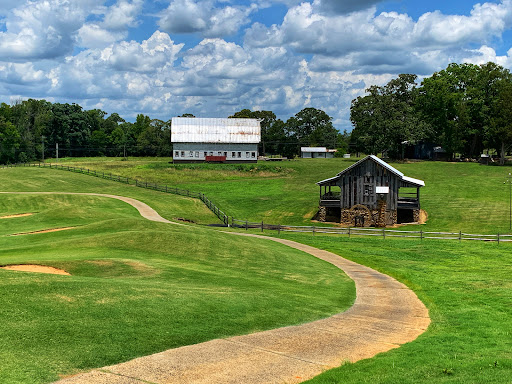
(137, 287)
(464, 197)
(467, 289)
(25, 179)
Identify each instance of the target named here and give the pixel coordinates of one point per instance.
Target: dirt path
(385, 315)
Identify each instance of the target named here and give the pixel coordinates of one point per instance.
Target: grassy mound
(466, 287)
(137, 287)
(457, 196)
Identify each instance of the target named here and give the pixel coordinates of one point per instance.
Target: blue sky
(214, 57)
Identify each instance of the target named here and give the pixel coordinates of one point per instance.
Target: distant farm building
(197, 140)
(370, 193)
(317, 152)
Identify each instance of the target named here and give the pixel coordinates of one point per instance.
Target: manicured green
(170, 206)
(467, 289)
(457, 196)
(137, 287)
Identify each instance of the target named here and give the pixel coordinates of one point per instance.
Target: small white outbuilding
(317, 152)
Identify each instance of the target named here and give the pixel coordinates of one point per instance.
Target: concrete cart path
(385, 315)
(145, 210)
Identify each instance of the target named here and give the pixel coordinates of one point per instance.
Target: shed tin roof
(212, 130)
(416, 182)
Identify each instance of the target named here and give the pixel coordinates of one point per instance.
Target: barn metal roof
(213, 130)
(417, 182)
(376, 159)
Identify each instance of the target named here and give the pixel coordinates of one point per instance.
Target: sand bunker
(35, 268)
(18, 215)
(43, 231)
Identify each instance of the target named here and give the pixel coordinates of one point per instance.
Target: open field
(137, 287)
(467, 288)
(457, 196)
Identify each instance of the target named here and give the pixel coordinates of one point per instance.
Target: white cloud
(123, 14)
(385, 42)
(43, 29)
(93, 36)
(191, 16)
(345, 6)
(7, 5)
(16, 73)
(323, 53)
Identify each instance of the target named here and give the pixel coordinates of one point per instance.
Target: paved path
(385, 315)
(145, 210)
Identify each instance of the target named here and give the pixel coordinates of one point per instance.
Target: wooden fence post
(313, 230)
(421, 235)
(246, 225)
(383, 233)
(279, 229)
(349, 232)
(460, 236)
(261, 225)
(498, 236)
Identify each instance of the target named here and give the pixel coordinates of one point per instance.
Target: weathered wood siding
(358, 185)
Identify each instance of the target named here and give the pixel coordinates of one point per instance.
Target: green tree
(387, 118)
(499, 131)
(266, 118)
(9, 141)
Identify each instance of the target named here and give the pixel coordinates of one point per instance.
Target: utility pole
(42, 143)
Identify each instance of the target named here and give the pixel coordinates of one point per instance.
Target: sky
(212, 58)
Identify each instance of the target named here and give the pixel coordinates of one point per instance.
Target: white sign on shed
(381, 190)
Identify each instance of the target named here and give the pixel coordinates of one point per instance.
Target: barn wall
(358, 186)
(187, 152)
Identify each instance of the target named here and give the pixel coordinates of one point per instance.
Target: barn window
(210, 153)
(254, 155)
(197, 153)
(182, 153)
(367, 189)
(233, 154)
(176, 154)
(239, 154)
(219, 153)
(205, 154)
(247, 154)
(191, 154)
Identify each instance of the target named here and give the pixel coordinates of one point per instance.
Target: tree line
(464, 108)
(31, 130)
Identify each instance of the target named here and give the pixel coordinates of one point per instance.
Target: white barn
(198, 140)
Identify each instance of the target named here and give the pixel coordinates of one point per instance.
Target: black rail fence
(230, 221)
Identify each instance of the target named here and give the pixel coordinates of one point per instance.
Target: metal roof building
(215, 140)
(371, 192)
(317, 152)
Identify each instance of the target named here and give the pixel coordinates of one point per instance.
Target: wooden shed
(370, 193)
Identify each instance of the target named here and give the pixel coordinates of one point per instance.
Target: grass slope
(137, 287)
(457, 196)
(467, 288)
